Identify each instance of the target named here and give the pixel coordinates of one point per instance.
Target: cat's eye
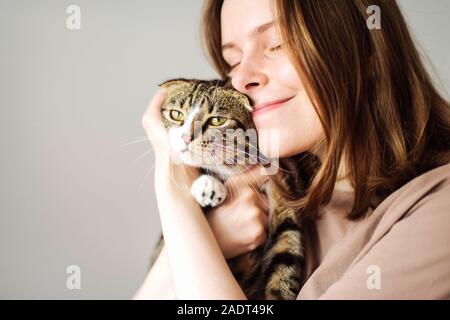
(176, 115)
(217, 121)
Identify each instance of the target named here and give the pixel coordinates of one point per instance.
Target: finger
(251, 179)
(152, 119)
(154, 108)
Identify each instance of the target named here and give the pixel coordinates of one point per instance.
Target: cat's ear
(246, 100)
(169, 85)
(247, 104)
(227, 83)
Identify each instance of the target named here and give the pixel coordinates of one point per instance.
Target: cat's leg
(246, 269)
(284, 257)
(208, 191)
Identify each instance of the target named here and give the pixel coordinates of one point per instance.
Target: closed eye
(273, 49)
(276, 48)
(234, 66)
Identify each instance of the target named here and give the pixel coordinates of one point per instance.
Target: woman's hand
(240, 223)
(168, 168)
(153, 125)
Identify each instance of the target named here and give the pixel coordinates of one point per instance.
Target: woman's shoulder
(432, 191)
(406, 236)
(432, 185)
(423, 200)
(437, 175)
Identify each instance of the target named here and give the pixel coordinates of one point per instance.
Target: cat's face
(210, 125)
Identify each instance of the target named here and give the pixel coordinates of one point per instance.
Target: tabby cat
(274, 269)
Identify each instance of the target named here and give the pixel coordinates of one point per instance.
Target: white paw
(208, 191)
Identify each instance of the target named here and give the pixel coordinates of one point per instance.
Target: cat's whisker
(254, 188)
(258, 192)
(184, 172)
(228, 148)
(145, 177)
(235, 188)
(217, 166)
(138, 158)
(171, 174)
(234, 185)
(250, 155)
(140, 139)
(253, 158)
(258, 151)
(231, 148)
(236, 168)
(229, 156)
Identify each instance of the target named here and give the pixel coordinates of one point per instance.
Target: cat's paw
(208, 191)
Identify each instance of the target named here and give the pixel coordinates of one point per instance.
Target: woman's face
(263, 71)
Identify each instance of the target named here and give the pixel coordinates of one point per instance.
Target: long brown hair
(375, 100)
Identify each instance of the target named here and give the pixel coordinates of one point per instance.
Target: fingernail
(161, 90)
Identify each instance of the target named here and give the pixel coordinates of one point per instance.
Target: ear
(229, 85)
(169, 85)
(247, 104)
(245, 100)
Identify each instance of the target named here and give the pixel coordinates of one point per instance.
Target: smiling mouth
(270, 105)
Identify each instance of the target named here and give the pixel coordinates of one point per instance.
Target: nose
(186, 138)
(249, 76)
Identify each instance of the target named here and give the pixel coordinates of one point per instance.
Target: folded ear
(173, 83)
(247, 104)
(227, 83)
(244, 99)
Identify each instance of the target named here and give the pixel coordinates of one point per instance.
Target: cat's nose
(186, 138)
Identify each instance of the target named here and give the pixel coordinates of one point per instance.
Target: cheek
(294, 128)
(286, 75)
(289, 131)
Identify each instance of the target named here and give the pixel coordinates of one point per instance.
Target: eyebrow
(258, 30)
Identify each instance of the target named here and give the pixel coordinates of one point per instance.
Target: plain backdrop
(72, 190)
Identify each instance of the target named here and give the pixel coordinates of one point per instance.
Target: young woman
(357, 98)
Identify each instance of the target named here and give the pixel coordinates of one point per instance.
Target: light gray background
(70, 191)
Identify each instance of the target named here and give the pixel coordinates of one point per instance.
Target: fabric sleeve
(411, 261)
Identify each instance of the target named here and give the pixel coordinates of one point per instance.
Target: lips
(270, 105)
